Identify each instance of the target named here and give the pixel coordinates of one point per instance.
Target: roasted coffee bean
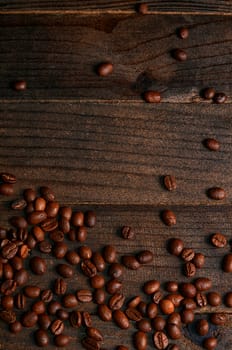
(211, 144)
(218, 319)
(157, 296)
(144, 325)
(183, 33)
(170, 182)
(21, 277)
(189, 269)
(29, 319)
(140, 340)
(130, 262)
(187, 316)
(60, 286)
(84, 295)
(116, 301)
(45, 247)
(90, 343)
(175, 246)
(19, 204)
(201, 299)
(97, 281)
(49, 224)
(151, 287)
(18, 222)
(159, 323)
(104, 69)
(145, 257)
(20, 301)
(174, 319)
(152, 96)
(187, 254)
(179, 55)
(99, 296)
(174, 331)
(38, 265)
(142, 8)
(81, 234)
(40, 204)
(188, 304)
(17, 263)
(168, 217)
(23, 250)
(142, 307)
(8, 287)
(171, 286)
(127, 232)
(88, 268)
(104, 312)
(121, 319)
(188, 290)
(65, 270)
(39, 307)
(53, 307)
(15, 327)
(41, 337)
(6, 189)
(8, 272)
(7, 302)
(56, 236)
(85, 252)
(109, 254)
(66, 212)
(29, 195)
(94, 333)
(7, 316)
(166, 306)
(62, 314)
(98, 261)
(113, 286)
(61, 340)
(219, 98)
(86, 319)
(46, 295)
(202, 284)
(208, 93)
(36, 217)
(69, 301)
(59, 250)
(210, 343)
(133, 314)
(20, 85)
(198, 260)
(160, 340)
(8, 178)
(57, 327)
(134, 302)
(75, 319)
(22, 235)
(116, 270)
(72, 257)
(152, 310)
(77, 218)
(219, 240)
(228, 299)
(52, 209)
(214, 299)
(32, 291)
(90, 218)
(227, 263)
(47, 193)
(216, 193)
(202, 327)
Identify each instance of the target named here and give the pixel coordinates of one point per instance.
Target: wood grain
(167, 6)
(58, 56)
(118, 154)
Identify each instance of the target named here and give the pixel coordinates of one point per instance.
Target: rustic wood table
(100, 146)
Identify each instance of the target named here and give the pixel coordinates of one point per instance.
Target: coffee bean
(157, 296)
(98, 261)
(6, 189)
(56, 236)
(174, 331)
(228, 299)
(201, 299)
(21, 277)
(160, 340)
(65, 270)
(133, 314)
(115, 270)
(151, 287)
(69, 301)
(168, 217)
(41, 337)
(179, 55)
(61, 340)
(130, 262)
(18, 204)
(152, 96)
(47, 193)
(49, 224)
(189, 269)
(29, 319)
(97, 281)
(219, 240)
(175, 246)
(210, 343)
(99, 296)
(202, 327)
(134, 302)
(187, 254)
(60, 286)
(171, 286)
(9, 250)
(81, 234)
(66, 212)
(7, 316)
(38, 265)
(20, 301)
(183, 33)
(174, 319)
(57, 327)
(104, 69)
(121, 319)
(144, 325)
(60, 249)
(170, 182)
(94, 333)
(218, 319)
(188, 290)
(166, 306)
(216, 193)
(142, 8)
(113, 286)
(85, 252)
(40, 204)
(64, 225)
(127, 232)
(104, 312)
(20, 85)
(44, 321)
(39, 307)
(109, 254)
(208, 93)
(53, 307)
(142, 307)
(72, 257)
(8, 178)
(7, 302)
(75, 319)
(227, 263)
(84, 295)
(145, 257)
(219, 98)
(17, 263)
(211, 144)
(46, 295)
(8, 273)
(88, 268)
(152, 310)
(77, 219)
(187, 316)
(199, 260)
(8, 287)
(159, 323)
(15, 327)
(62, 314)
(18, 222)
(23, 250)
(188, 304)
(202, 284)
(52, 209)
(214, 299)
(140, 340)
(86, 319)
(36, 217)
(90, 343)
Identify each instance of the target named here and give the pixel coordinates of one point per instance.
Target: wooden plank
(118, 154)
(167, 6)
(58, 55)
(195, 224)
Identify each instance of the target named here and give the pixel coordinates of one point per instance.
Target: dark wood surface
(100, 146)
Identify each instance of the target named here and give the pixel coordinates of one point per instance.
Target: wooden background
(100, 146)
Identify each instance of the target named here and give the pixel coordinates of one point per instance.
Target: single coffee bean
(60, 249)
(211, 144)
(39, 307)
(228, 299)
(174, 331)
(142, 307)
(9, 250)
(19, 204)
(64, 225)
(168, 217)
(171, 286)
(8, 316)
(8, 287)
(170, 182)
(121, 319)
(56, 236)
(145, 257)
(199, 260)
(152, 310)
(104, 69)
(20, 85)
(216, 193)
(210, 343)
(6, 189)
(85, 252)
(189, 269)
(29, 319)
(188, 290)
(157, 296)
(187, 316)
(133, 314)
(7, 302)
(130, 262)
(160, 340)
(202, 284)
(98, 261)
(134, 302)
(53, 307)
(61, 340)
(60, 286)
(175, 246)
(18, 222)
(144, 325)
(174, 319)
(40, 204)
(219, 98)
(104, 312)
(202, 327)
(201, 299)
(29, 195)
(49, 224)
(183, 33)
(159, 323)
(15, 327)
(188, 304)
(227, 263)
(8, 178)
(94, 333)
(140, 340)
(99, 296)
(90, 218)
(127, 232)
(8, 273)
(21, 277)
(72, 257)
(52, 209)
(47, 193)
(45, 247)
(44, 321)
(57, 327)
(166, 306)
(86, 319)
(81, 234)
(75, 319)
(41, 338)
(20, 301)
(46, 295)
(97, 281)
(116, 270)
(23, 250)
(214, 299)
(38, 265)
(208, 93)
(88, 268)
(62, 314)
(66, 212)
(219, 240)
(142, 8)
(179, 55)
(152, 96)
(17, 263)
(84, 295)
(77, 218)
(69, 301)
(151, 287)
(113, 286)
(218, 319)
(90, 343)
(187, 254)
(109, 254)
(65, 270)
(36, 217)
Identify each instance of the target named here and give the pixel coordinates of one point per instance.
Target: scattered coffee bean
(212, 144)
(39, 307)
(41, 338)
(152, 310)
(98, 261)
(133, 314)
(32, 291)
(86, 319)
(219, 240)
(208, 93)
(199, 260)
(228, 299)
(152, 96)
(160, 340)
(113, 286)
(140, 340)
(168, 217)
(144, 325)
(109, 254)
(189, 269)
(171, 287)
(61, 340)
(94, 333)
(53, 307)
(90, 343)
(187, 254)
(84, 295)
(121, 319)
(46, 295)
(116, 301)
(115, 270)
(88, 268)
(47, 193)
(105, 69)
(201, 299)
(7, 302)
(227, 263)
(218, 319)
(174, 331)
(183, 33)
(130, 262)
(104, 312)
(175, 246)
(179, 55)
(202, 327)
(57, 327)
(170, 182)
(203, 284)
(145, 257)
(6, 189)
(69, 301)
(99, 296)
(187, 316)
(151, 287)
(188, 290)
(143, 8)
(8, 316)
(219, 98)
(38, 265)
(188, 304)
(75, 319)
(65, 270)
(216, 193)
(166, 306)
(19, 204)
(214, 299)
(15, 327)
(29, 319)
(62, 314)
(20, 85)
(127, 232)
(8, 178)
(210, 343)
(159, 323)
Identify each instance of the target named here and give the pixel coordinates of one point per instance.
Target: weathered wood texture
(58, 56)
(194, 226)
(167, 6)
(117, 154)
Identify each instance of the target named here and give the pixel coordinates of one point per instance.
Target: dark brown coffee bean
(22, 235)
(145, 257)
(208, 93)
(127, 232)
(32, 291)
(40, 204)
(7, 302)
(144, 325)
(60, 249)
(53, 307)
(56, 236)
(84, 295)
(15, 327)
(202, 327)
(130, 262)
(116, 270)
(187, 254)
(151, 287)
(202, 284)
(62, 314)
(160, 340)
(61, 340)
(175, 246)
(41, 337)
(142, 308)
(228, 299)
(133, 314)
(18, 222)
(219, 240)
(98, 261)
(23, 250)
(17, 263)
(140, 340)
(157, 296)
(170, 182)
(189, 269)
(36, 217)
(46, 295)
(168, 217)
(72, 257)
(75, 319)
(199, 260)
(134, 302)
(29, 195)
(201, 299)
(77, 219)
(210, 343)
(94, 333)
(66, 212)
(109, 254)
(227, 263)
(60, 286)
(159, 323)
(179, 55)
(20, 85)
(38, 265)
(166, 306)
(171, 286)
(183, 33)
(45, 247)
(219, 98)
(21, 277)
(188, 304)
(97, 281)
(69, 301)
(7, 316)
(121, 319)
(47, 193)
(104, 69)
(187, 316)
(99, 296)
(52, 209)
(81, 234)
(116, 301)
(85, 252)
(39, 307)
(6, 189)
(88, 268)
(8, 287)
(214, 299)
(113, 286)
(188, 290)
(8, 273)
(65, 270)
(20, 301)
(152, 310)
(18, 204)
(86, 319)
(218, 319)
(90, 343)
(174, 319)
(174, 331)
(44, 321)
(49, 224)
(104, 312)
(152, 96)
(29, 319)
(57, 327)
(8, 178)
(216, 193)
(211, 144)
(142, 8)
